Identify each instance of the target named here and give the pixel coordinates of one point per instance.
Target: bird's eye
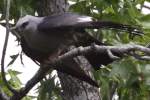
(24, 24)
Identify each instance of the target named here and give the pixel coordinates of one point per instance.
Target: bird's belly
(45, 43)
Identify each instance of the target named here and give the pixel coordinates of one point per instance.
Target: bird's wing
(62, 21)
(68, 21)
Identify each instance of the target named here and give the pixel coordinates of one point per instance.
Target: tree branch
(146, 7)
(3, 96)
(123, 49)
(31, 83)
(5, 47)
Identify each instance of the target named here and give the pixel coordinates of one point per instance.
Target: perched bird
(45, 38)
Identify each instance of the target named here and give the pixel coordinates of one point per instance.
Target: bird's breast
(46, 42)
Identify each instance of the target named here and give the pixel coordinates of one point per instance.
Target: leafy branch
(126, 49)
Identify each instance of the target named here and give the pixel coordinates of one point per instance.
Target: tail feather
(110, 25)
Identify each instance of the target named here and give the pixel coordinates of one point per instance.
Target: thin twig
(146, 7)
(31, 83)
(139, 57)
(5, 48)
(111, 55)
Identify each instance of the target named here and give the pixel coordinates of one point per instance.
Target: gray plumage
(46, 37)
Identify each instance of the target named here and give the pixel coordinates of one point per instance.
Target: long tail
(110, 25)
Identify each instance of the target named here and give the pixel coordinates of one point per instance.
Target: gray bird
(45, 38)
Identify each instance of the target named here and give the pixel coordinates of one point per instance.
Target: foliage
(49, 90)
(129, 78)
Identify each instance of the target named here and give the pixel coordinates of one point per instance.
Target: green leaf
(145, 21)
(14, 80)
(13, 57)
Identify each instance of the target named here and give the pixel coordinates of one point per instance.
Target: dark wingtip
(135, 32)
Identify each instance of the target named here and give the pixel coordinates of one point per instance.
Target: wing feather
(68, 21)
(65, 20)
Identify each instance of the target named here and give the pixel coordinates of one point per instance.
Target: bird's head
(27, 24)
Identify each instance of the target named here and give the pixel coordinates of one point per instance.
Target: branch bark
(123, 49)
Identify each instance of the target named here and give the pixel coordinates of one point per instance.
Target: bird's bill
(13, 30)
